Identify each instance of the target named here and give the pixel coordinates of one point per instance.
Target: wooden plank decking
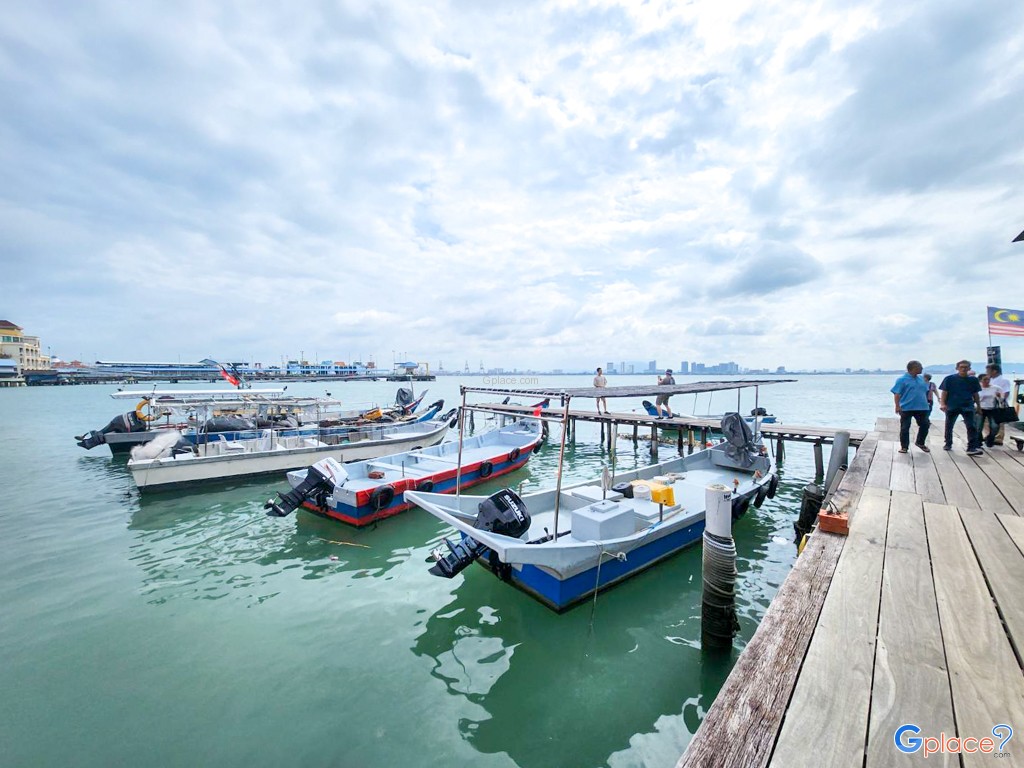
(916, 617)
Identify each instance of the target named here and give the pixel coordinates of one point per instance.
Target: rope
(601, 552)
(718, 605)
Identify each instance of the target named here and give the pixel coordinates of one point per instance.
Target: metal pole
(462, 429)
(561, 458)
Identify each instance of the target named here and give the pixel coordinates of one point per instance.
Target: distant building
(609, 368)
(652, 366)
(684, 367)
(23, 350)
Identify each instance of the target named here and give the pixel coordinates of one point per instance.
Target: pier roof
(645, 390)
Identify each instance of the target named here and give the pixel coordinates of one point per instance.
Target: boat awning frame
(643, 390)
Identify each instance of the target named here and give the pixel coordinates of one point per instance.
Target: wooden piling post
(654, 442)
(780, 450)
(636, 433)
(679, 441)
(819, 464)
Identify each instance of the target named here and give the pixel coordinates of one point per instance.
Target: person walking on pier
(600, 382)
(910, 398)
(995, 375)
(960, 398)
(933, 392)
(662, 400)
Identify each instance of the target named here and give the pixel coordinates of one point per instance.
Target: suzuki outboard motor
(740, 440)
(129, 422)
(502, 513)
(321, 479)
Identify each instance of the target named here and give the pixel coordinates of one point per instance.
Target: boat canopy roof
(642, 390)
(225, 397)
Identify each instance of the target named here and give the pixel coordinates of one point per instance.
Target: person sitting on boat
(662, 400)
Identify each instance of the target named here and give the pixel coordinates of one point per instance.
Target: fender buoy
(381, 497)
(762, 493)
(486, 468)
(538, 447)
(426, 486)
(513, 454)
(739, 506)
(773, 486)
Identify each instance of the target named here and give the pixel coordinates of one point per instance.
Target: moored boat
(363, 492)
(236, 414)
(177, 463)
(563, 545)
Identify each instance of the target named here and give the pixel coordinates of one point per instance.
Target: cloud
(536, 189)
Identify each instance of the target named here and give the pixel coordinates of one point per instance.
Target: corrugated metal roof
(646, 390)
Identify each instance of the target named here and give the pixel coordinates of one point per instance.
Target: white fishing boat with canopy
(567, 543)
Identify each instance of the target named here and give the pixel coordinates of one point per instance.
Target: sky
(529, 185)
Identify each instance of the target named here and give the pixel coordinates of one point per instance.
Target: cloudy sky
(522, 184)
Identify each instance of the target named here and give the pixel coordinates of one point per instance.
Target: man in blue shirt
(910, 397)
(960, 398)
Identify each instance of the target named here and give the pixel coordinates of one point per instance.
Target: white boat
(181, 464)
(363, 492)
(235, 414)
(564, 544)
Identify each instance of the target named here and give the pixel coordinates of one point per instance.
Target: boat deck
(917, 617)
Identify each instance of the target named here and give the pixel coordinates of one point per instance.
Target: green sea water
(189, 629)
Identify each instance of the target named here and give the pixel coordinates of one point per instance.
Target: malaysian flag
(1005, 322)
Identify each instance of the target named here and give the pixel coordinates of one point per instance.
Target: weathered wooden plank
(841, 655)
(926, 477)
(1014, 528)
(911, 683)
(881, 465)
(1003, 565)
(741, 725)
(845, 499)
(901, 476)
(1005, 480)
(954, 487)
(987, 495)
(985, 680)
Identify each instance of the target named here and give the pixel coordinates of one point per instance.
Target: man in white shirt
(601, 382)
(1000, 382)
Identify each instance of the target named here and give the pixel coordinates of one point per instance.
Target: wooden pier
(916, 617)
(690, 431)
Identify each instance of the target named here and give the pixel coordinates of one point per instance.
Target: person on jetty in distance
(989, 398)
(910, 398)
(601, 382)
(960, 398)
(933, 392)
(662, 400)
(995, 375)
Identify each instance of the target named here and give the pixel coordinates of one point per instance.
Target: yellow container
(662, 494)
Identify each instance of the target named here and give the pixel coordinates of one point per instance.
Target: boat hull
(364, 512)
(175, 472)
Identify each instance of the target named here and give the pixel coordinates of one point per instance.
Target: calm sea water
(189, 629)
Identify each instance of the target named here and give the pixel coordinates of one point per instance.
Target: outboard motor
(404, 397)
(321, 479)
(129, 422)
(503, 513)
(759, 411)
(740, 440)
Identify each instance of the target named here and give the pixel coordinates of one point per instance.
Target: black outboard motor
(739, 439)
(759, 411)
(316, 483)
(404, 397)
(129, 422)
(502, 513)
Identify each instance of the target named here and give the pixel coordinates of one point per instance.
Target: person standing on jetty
(960, 398)
(662, 400)
(600, 382)
(995, 375)
(910, 398)
(933, 392)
